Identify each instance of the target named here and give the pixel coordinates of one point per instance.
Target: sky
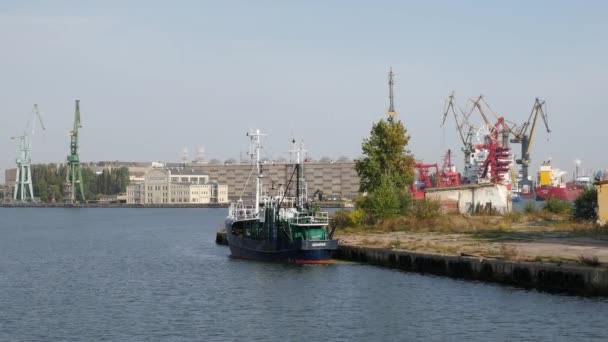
(155, 76)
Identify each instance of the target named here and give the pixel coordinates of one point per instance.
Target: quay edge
(582, 280)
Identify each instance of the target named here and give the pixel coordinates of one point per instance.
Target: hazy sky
(153, 76)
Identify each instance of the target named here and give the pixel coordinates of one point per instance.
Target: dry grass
(589, 260)
(508, 251)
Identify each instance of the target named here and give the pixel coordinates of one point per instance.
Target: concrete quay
(573, 279)
(582, 280)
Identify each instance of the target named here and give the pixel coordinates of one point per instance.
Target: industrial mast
(23, 181)
(391, 108)
(74, 170)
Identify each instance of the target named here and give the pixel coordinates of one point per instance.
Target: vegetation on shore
(48, 181)
(386, 216)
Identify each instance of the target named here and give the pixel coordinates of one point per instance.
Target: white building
(176, 186)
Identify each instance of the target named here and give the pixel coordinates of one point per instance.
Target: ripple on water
(156, 274)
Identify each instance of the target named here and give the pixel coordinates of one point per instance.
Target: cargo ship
(551, 184)
(284, 227)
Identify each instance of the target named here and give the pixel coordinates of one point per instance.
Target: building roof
(186, 171)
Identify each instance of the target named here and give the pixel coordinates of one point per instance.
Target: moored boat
(281, 227)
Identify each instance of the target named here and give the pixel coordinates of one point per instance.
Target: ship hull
(297, 252)
(568, 193)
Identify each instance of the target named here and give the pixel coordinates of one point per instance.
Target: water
(157, 275)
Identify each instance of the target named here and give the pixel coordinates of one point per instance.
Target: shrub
(384, 202)
(556, 206)
(342, 219)
(530, 207)
(405, 202)
(426, 209)
(357, 217)
(512, 217)
(585, 206)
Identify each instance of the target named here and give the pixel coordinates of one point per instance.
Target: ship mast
(301, 193)
(254, 151)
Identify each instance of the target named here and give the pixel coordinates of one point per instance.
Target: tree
(384, 201)
(585, 205)
(385, 153)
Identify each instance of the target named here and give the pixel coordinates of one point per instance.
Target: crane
(524, 135)
(74, 171)
(23, 178)
(465, 137)
(502, 127)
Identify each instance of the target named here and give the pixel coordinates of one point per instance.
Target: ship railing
(321, 217)
(239, 211)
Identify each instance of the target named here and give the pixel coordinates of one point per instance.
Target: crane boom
(525, 134)
(537, 110)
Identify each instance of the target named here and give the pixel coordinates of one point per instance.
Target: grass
(483, 236)
(394, 244)
(508, 252)
(589, 260)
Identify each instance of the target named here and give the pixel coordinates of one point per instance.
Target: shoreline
(142, 206)
(571, 279)
(113, 205)
(562, 278)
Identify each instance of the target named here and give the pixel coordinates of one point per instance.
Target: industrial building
(333, 180)
(176, 186)
(472, 198)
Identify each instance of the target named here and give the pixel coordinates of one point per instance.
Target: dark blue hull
(317, 256)
(300, 252)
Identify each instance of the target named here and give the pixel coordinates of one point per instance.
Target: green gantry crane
(73, 177)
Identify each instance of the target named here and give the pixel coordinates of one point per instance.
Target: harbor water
(157, 275)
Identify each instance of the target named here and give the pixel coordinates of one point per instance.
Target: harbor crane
(23, 179)
(464, 127)
(524, 135)
(501, 128)
(74, 170)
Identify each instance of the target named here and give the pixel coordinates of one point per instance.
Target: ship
(280, 227)
(551, 184)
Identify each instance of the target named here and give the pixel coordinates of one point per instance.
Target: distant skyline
(154, 77)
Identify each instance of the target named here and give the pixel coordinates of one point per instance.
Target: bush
(383, 202)
(405, 202)
(556, 206)
(357, 217)
(426, 209)
(585, 206)
(342, 219)
(530, 207)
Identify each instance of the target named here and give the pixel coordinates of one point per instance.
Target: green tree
(385, 153)
(384, 201)
(585, 205)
